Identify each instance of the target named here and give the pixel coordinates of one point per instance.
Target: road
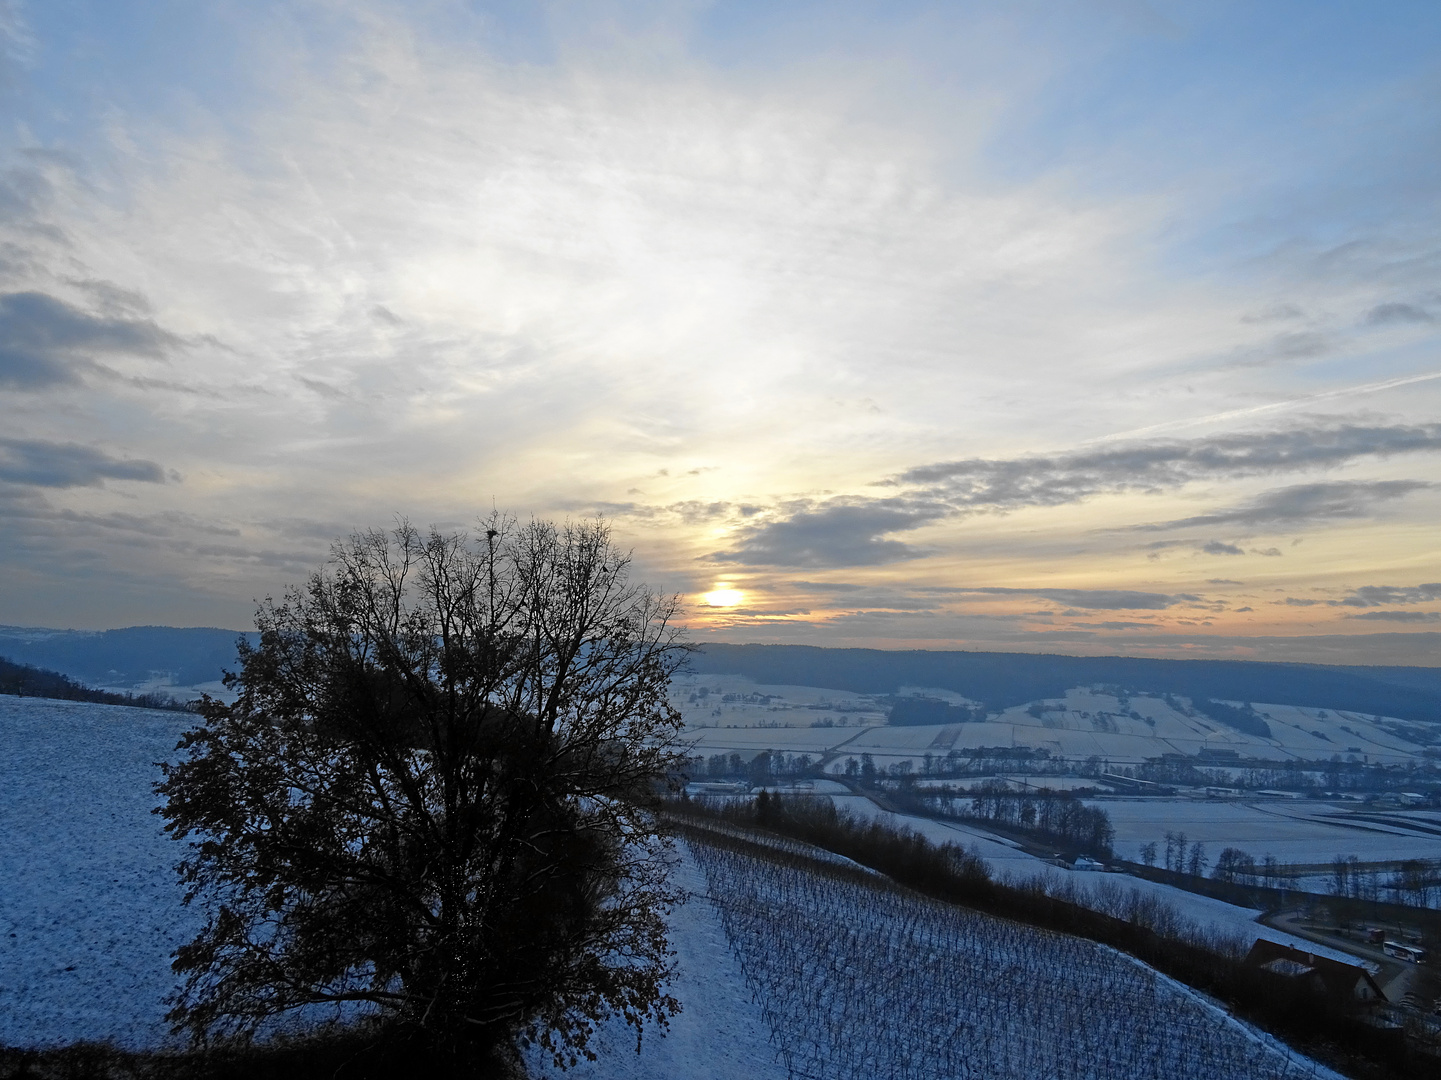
(1395, 977)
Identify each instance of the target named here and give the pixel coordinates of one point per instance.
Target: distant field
(1076, 726)
(1295, 831)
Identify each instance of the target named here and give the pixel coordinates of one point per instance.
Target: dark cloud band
(62, 465)
(42, 339)
(861, 532)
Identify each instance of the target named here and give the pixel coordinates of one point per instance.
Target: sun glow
(723, 596)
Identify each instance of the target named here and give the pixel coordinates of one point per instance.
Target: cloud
(1222, 581)
(63, 465)
(1277, 313)
(1304, 503)
(1217, 547)
(849, 532)
(1376, 595)
(1095, 599)
(1398, 313)
(43, 340)
(1296, 601)
(1003, 483)
(1399, 616)
(853, 596)
(834, 534)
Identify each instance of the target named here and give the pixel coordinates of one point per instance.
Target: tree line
(1057, 817)
(24, 680)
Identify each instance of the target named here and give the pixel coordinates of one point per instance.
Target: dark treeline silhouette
(923, 710)
(1055, 816)
(1329, 1030)
(22, 680)
(1243, 718)
(1001, 680)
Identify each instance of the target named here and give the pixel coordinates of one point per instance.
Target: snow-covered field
(1082, 724)
(1102, 892)
(89, 906)
(1294, 830)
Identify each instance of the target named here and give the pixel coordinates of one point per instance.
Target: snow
(90, 909)
(1081, 724)
(1295, 831)
(863, 981)
(720, 1033)
(1008, 862)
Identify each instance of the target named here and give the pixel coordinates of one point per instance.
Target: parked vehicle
(1414, 953)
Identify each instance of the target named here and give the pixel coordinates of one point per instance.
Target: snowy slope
(1101, 892)
(89, 908)
(89, 911)
(720, 1033)
(860, 979)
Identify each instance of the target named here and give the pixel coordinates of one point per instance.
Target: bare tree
(434, 797)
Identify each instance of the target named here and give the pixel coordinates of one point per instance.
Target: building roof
(1334, 977)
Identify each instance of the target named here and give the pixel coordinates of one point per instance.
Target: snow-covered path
(719, 1035)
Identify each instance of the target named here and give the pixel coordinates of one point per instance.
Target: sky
(1077, 326)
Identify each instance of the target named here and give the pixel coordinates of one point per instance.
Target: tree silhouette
(433, 799)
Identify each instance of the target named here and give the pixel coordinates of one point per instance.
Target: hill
(130, 657)
(1004, 680)
(193, 656)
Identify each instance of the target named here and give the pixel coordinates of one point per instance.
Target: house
(1334, 978)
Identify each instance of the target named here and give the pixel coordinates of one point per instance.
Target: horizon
(807, 645)
(1103, 331)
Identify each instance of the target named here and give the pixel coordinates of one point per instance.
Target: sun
(723, 596)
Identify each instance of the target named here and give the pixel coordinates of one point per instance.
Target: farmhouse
(1349, 982)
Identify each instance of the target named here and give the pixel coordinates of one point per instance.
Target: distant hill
(1002, 680)
(185, 656)
(191, 656)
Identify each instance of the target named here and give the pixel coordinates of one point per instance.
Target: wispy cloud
(1399, 313)
(1305, 504)
(1399, 616)
(1377, 595)
(1096, 599)
(1163, 464)
(1220, 547)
